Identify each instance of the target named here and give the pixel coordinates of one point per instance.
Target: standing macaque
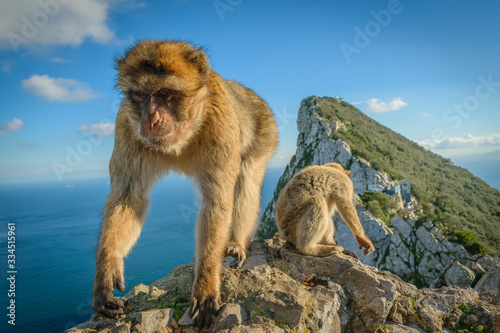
(307, 203)
(179, 115)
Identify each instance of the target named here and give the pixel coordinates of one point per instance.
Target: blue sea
(57, 225)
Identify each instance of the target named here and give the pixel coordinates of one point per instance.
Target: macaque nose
(152, 104)
(154, 119)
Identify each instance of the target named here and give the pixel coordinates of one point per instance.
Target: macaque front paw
(237, 252)
(207, 307)
(103, 301)
(349, 253)
(364, 242)
(105, 304)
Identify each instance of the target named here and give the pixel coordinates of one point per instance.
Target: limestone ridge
(418, 253)
(267, 295)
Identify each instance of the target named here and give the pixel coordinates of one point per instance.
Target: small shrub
(464, 307)
(380, 205)
(468, 240)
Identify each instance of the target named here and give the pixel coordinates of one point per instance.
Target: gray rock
(91, 324)
(123, 328)
(154, 292)
(140, 288)
(428, 225)
(404, 253)
(371, 299)
(475, 267)
(427, 238)
(254, 262)
(488, 263)
(137, 329)
(328, 305)
(398, 328)
(489, 281)
(396, 239)
(185, 320)
(398, 257)
(153, 320)
(402, 226)
(458, 274)
(255, 328)
(230, 315)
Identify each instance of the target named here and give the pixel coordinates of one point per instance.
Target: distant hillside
(450, 195)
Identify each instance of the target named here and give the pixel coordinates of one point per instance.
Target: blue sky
(427, 70)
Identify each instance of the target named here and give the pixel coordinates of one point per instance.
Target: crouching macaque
(179, 115)
(307, 203)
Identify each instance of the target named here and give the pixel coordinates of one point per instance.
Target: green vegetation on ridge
(381, 205)
(451, 196)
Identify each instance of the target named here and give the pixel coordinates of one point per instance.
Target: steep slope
(333, 130)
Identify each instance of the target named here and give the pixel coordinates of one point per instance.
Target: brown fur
(179, 115)
(305, 207)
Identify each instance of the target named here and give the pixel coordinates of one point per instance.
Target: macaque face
(162, 83)
(159, 111)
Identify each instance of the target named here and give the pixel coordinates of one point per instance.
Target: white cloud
(58, 90)
(467, 141)
(25, 23)
(14, 125)
(425, 114)
(375, 105)
(106, 129)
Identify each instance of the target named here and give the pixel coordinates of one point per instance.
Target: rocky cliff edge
(280, 290)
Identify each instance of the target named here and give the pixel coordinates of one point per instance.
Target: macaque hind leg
(312, 226)
(315, 226)
(328, 238)
(212, 231)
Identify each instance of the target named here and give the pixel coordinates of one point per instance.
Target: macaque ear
(348, 172)
(199, 59)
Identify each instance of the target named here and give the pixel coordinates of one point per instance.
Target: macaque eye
(138, 95)
(169, 96)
